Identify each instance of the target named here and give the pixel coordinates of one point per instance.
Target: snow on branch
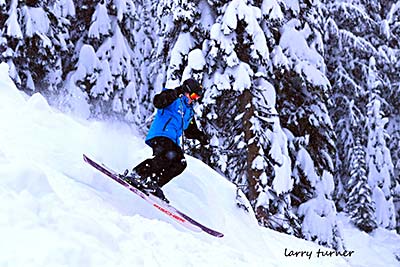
(101, 23)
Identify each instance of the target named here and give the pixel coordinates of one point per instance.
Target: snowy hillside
(55, 210)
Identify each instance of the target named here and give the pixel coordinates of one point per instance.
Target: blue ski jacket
(173, 116)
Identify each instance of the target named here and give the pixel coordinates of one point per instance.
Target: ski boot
(160, 194)
(133, 179)
(151, 187)
(146, 185)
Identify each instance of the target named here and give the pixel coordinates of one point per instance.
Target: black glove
(203, 139)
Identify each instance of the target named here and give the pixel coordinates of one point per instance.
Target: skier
(174, 119)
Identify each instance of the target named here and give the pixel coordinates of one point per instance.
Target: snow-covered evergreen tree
(394, 145)
(240, 104)
(380, 166)
(222, 44)
(345, 52)
(182, 33)
(355, 195)
(35, 38)
(349, 121)
(151, 70)
(3, 40)
(103, 69)
(357, 31)
(359, 204)
(391, 27)
(303, 91)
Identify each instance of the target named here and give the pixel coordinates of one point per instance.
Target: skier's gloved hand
(203, 139)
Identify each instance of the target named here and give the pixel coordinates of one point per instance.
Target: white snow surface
(55, 210)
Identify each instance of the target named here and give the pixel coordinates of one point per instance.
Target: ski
(157, 203)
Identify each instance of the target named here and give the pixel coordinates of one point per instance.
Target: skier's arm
(193, 132)
(166, 97)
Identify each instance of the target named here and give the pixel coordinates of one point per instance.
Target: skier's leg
(168, 162)
(146, 168)
(175, 164)
(153, 168)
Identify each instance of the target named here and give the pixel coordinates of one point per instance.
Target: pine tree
(103, 70)
(3, 41)
(380, 166)
(151, 70)
(35, 39)
(348, 121)
(303, 93)
(224, 46)
(394, 145)
(357, 31)
(181, 33)
(391, 27)
(241, 114)
(359, 204)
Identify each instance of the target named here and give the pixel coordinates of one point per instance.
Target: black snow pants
(168, 161)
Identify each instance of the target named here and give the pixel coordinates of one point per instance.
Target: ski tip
(214, 233)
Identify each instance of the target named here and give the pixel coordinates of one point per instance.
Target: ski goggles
(194, 96)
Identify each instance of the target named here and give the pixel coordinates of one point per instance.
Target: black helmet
(192, 86)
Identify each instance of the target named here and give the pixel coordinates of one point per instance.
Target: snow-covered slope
(55, 210)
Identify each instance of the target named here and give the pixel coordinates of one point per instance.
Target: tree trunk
(252, 175)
